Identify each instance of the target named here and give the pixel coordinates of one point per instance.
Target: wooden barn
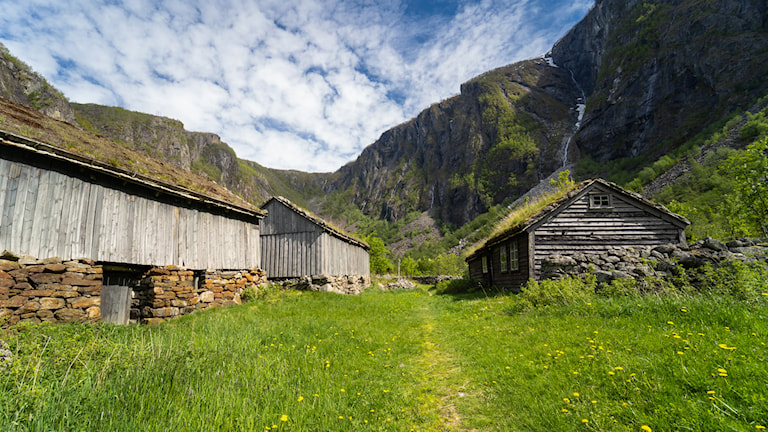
(295, 243)
(57, 204)
(596, 216)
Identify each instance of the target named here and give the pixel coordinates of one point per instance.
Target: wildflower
(284, 418)
(566, 400)
(585, 421)
(611, 373)
(575, 394)
(670, 322)
(710, 392)
(619, 368)
(646, 428)
(301, 398)
(563, 410)
(679, 353)
(760, 427)
(726, 347)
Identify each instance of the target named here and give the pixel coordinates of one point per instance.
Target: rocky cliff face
(20, 84)
(501, 135)
(657, 73)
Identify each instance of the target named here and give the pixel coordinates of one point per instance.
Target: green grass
(398, 361)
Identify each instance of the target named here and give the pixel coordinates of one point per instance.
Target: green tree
(379, 255)
(749, 169)
(408, 266)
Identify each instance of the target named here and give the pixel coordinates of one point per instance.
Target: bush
(568, 290)
(456, 286)
(249, 294)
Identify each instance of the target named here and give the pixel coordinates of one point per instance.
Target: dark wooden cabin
(54, 203)
(596, 216)
(296, 243)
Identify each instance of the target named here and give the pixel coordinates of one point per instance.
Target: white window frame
(514, 256)
(600, 201)
(503, 257)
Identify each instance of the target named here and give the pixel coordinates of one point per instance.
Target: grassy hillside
(398, 361)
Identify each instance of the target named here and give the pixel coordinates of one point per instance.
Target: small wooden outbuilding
(596, 216)
(295, 243)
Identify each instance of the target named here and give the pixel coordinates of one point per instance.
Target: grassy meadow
(402, 361)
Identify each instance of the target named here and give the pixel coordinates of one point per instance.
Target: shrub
(456, 286)
(566, 291)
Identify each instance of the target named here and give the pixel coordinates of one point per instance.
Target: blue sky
(290, 84)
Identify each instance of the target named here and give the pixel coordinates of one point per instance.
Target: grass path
(441, 381)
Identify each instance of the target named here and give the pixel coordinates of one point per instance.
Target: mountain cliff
(19, 84)
(656, 73)
(505, 132)
(652, 76)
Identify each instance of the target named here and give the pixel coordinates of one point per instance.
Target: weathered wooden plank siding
(294, 246)
(46, 213)
(289, 255)
(579, 228)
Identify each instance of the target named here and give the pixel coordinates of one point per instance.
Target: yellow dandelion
(300, 398)
(646, 428)
(563, 410)
(619, 368)
(575, 394)
(566, 400)
(671, 322)
(710, 392)
(679, 353)
(284, 418)
(726, 347)
(760, 427)
(611, 373)
(585, 421)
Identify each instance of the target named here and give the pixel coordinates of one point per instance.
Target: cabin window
(514, 256)
(599, 201)
(484, 260)
(503, 257)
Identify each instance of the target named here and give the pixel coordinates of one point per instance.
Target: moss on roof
(517, 218)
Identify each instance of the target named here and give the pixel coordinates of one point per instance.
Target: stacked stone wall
(50, 289)
(347, 284)
(168, 292)
(660, 262)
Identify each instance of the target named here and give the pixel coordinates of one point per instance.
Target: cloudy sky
(291, 84)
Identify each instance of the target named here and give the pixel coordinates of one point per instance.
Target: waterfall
(580, 108)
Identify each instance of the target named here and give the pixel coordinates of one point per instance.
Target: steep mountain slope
(501, 135)
(656, 73)
(19, 84)
(203, 153)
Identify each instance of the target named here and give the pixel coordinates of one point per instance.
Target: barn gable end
(296, 243)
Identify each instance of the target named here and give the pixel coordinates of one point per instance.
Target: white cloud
(299, 84)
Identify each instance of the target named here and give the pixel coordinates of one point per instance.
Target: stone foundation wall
(347, 284)
(51, 289)
(660, 261)
(168, 292)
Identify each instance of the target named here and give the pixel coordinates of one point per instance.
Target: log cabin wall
(594, 227)
(47, 212)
